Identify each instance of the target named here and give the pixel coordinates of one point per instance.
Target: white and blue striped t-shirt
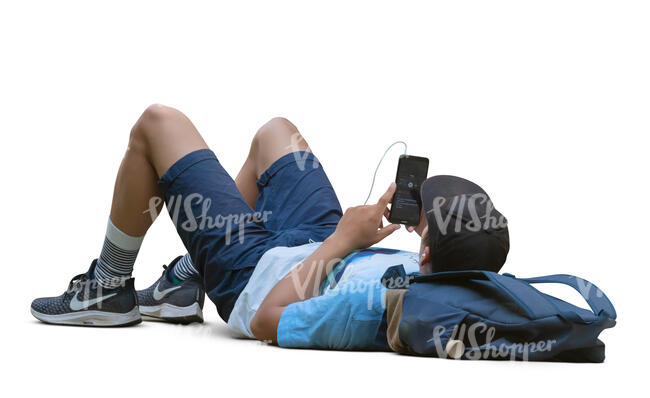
(347, 313)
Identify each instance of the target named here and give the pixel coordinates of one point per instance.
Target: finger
(387, 230)
(387, 197)
(410, 228)
(387, 213)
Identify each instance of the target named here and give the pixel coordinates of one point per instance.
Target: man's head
(459, 227)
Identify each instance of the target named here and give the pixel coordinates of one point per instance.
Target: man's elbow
(264, 326)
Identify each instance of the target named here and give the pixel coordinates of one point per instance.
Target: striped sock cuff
(184, 268)
(115, 263)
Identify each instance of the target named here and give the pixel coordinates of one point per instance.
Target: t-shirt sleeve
(346, 318)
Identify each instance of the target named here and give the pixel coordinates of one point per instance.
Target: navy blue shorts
(225, 237)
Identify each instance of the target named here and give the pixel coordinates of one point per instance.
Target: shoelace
(75, 283)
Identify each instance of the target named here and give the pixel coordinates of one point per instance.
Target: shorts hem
(182, 165)
(297, 157)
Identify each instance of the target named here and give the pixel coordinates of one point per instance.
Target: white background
(545, 104)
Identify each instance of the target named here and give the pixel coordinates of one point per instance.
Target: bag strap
(525, 296)
(598, 302)
(529, 299)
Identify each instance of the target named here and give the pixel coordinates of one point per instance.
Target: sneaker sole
(91, 318)
(172, 313)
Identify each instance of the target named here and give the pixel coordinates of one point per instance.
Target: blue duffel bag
(485, 315)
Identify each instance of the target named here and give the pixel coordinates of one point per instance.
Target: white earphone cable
(379, 164)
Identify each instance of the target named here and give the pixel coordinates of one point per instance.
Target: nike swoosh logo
(76, 305)
(158, 295)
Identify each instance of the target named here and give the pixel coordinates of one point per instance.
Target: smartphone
(407, 204)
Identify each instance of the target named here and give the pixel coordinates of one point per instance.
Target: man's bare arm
(359, 228)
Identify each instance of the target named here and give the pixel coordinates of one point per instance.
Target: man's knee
(274, 139)
(156, 112)
(278, 132)
(150, 121)
(163, 135)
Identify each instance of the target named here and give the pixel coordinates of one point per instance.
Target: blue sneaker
(86, 303)
(175, 302)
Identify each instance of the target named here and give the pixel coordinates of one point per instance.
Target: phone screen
(411, 173)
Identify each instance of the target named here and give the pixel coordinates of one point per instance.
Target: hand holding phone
(357, 229)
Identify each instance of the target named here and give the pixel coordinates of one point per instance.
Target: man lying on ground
(252, 242)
